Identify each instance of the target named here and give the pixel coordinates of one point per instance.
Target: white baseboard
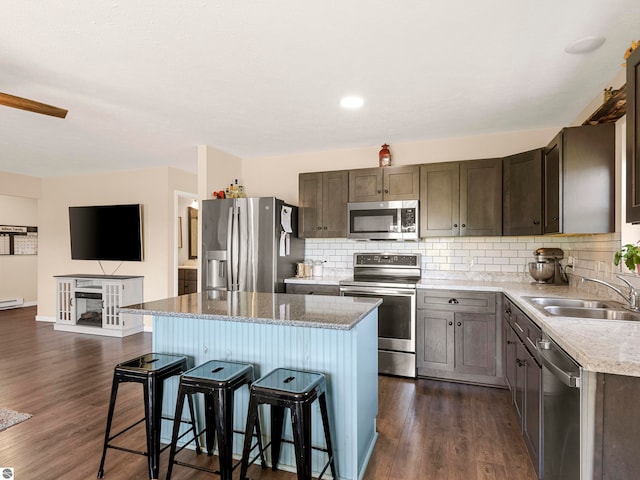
(44, 318)
(11, 303)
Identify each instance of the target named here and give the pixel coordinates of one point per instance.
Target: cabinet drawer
(456, 301)
(309, 289)
(526, 329)
(533, 334)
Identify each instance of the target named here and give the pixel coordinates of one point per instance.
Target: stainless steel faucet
(632, 298)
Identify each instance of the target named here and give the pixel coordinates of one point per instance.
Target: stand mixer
(547, 269)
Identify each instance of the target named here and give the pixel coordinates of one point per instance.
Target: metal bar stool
(151, 370)
(218, 381)
(283, 388)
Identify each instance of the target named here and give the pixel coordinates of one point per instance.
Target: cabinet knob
(454, 301)
(319, 227)
(555, 219)
(459, 324)
(386, 191)
(463, 225)
(324, 228)
(379, 191)
(536, 222)
(455, 225)
(521, 363)
(450, 323)
(509, 342)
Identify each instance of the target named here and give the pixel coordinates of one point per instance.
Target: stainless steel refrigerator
(246, 245)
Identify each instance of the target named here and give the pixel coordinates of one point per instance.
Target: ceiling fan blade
(31, 106)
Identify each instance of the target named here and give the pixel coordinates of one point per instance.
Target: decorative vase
(385, 156)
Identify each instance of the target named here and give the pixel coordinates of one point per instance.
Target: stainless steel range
(393, 278)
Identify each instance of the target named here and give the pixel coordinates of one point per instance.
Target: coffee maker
(547, 269)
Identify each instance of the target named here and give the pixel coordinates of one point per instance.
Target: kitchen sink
(572, 302)
(581, 308)
(598, 313)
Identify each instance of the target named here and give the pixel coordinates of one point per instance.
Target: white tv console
(90, 304)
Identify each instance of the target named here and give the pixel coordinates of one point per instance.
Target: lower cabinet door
(520, 376)
(475, 338)
(435, 337)
(510, 357)
(531, 423)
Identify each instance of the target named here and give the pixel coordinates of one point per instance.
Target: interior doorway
(184, 234)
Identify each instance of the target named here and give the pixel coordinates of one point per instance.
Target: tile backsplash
(484, 258)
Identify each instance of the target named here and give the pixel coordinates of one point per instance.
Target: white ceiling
(146, 81)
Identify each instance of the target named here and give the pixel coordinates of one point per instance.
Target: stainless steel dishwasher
(561, 381)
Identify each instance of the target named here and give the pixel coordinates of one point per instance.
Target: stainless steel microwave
(396, 220)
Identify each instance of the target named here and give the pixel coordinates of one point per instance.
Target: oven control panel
(389, 259)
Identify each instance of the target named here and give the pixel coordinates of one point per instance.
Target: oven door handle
(373, 291)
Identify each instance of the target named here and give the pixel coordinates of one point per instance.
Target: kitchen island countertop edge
(317, 311)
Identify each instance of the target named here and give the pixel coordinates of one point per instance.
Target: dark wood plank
(427, 429)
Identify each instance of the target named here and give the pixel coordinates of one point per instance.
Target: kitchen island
(334, 335)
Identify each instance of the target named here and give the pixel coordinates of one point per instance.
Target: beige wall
(216, 170)
(20, 185)
(278, 175)
(153, 188)
(19, 273)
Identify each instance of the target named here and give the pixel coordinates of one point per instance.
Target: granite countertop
(607, 346)
(317, 311)
(331, 279)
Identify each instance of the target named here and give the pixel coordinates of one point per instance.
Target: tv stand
(90, 304)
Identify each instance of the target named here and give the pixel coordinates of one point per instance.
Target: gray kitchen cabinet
(616, 427)
(387, 183)
(509, 353)
(313, 289)
(322, 212)
(440, 199)
(522, 193)
(523, 374)
(633, 138)
(187, 280)
(531, 425)
(579, 169)
(461, 198)
(457, 337)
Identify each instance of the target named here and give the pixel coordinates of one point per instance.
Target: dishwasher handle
(567, 378)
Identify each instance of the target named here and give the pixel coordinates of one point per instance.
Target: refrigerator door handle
(229, 247)
(243, 222)
(235, 250)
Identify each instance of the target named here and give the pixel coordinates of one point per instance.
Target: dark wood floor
(427, 429)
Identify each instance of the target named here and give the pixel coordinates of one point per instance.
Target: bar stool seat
(297, 390)
(217, 380)
(151, 370)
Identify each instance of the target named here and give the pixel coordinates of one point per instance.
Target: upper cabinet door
(481, 197)
(365, 185)
(401, 183)
(388, 183)
(440, 199)
(335, 189)
(522, 193)
(323, 204)
(551, 170)
(310, 208)
(633, 137)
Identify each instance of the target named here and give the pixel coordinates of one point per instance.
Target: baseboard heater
(11, 303)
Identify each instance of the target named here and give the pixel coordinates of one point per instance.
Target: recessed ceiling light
(585, 45)
(351, 102)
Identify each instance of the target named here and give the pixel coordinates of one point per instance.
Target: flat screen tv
(106, 232)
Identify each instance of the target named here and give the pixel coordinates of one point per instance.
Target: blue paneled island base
(333, 335)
